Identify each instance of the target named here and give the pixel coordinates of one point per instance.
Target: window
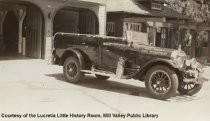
(110, 29)
(133, 27)
(202, 39)
(209, 7)
(161, 37)
(156, 6)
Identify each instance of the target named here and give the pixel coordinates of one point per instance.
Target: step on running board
(119, 71)
(100, 73)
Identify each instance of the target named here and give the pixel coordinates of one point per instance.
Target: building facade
(152, 22)
(151, 17)
(27, 26)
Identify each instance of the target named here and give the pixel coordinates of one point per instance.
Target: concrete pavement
(33, 87)
(206, 73)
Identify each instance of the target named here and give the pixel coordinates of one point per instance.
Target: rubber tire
(173, 78)
(194, 91)
(78, 74)
(102, 77)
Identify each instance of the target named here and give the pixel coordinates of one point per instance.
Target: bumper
(198, 80)
(193, 76)
(194, 72)
(55, 60)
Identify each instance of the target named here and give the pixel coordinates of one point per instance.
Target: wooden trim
(187, 27)
(10, 7)
(195, 27)
(142, 19)
(2, 18)
(208, 46)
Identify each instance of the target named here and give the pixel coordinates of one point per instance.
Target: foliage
(195, 9)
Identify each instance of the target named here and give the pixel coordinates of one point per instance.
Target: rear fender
(73, 52)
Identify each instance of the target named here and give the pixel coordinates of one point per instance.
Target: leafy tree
(195, 9)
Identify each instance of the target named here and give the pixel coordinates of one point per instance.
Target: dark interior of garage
(33, 31)
(76, 20)
(32, 38)
(10, 34)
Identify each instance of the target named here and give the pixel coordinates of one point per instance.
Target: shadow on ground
(107, 85)
(118, 87)
(13, 57)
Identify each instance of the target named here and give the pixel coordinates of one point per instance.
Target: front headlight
(194, 64)
(179, 58)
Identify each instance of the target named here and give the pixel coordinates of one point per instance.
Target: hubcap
(160, 82)
(72, 69)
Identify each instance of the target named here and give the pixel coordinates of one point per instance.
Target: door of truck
(110, 54)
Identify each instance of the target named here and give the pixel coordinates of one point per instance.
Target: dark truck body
(112, 56)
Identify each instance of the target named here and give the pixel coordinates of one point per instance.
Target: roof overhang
(10, 7)
(133, 7)
(195, 26)
(127, 6)
(102, 2)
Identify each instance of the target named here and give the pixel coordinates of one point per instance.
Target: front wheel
(161, 82)
(189, 88)
(71, 69)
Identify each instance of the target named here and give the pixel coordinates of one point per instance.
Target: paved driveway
(33, 86)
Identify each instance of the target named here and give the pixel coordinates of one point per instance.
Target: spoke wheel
(189, 88)
(161, 82)
(71, 69)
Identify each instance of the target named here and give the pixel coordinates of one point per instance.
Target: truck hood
(144, 49)
(153, 51)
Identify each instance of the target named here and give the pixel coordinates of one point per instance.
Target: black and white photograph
(104, 60)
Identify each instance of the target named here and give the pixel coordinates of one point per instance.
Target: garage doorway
(33, 31)
(76, 20)
(26, 43)
(10, 34)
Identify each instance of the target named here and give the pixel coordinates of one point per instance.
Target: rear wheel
(102, 77)
(71, 69)
(189, 88)
(161, 82)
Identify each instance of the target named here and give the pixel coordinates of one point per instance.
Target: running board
(100, 73)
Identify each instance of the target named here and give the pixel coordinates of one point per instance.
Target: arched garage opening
(10, 34)
(33, 31)
(22, 30)
(76, 20)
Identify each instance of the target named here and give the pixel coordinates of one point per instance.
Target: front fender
(157, 61)
(161, 60)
